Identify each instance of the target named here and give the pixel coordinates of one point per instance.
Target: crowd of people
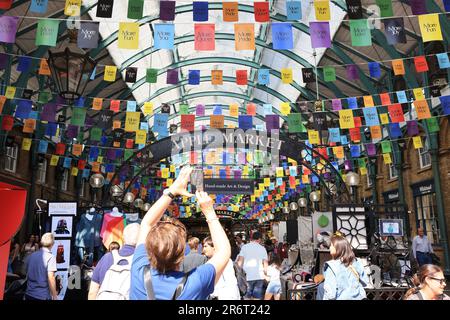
(158, 262)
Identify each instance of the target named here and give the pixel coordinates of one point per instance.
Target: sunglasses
(441, 281)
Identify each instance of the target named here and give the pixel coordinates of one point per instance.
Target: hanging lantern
(146, 206)
(314, 196)
(352, 179)
(138, 203)
(71, 68)
(286, 210)
(129, 197)
(97, 181)
(302, 202)
(293, 206)
(116, 191)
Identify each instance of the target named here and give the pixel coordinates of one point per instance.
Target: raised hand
(205, 202)
(179, 186)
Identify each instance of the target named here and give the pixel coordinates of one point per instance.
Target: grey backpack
(116, 284)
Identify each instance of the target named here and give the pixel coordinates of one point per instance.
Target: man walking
(422, 248)
(41, 284)
(253, 259)
(193, 259)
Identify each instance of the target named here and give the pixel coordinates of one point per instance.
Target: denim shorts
(255, 289)
(274, 288)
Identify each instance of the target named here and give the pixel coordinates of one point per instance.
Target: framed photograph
(61, 251)
(62, 281)
(62, 226)
(56, 208)
(391, 227)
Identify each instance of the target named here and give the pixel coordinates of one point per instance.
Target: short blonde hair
(193, 242)
(130, 234)
(48, 240)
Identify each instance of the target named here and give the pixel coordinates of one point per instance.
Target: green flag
(151, 75)
(432, 125)
(386, 147)
(78, 116)
(96, 134)
(184, 109)
(127, 154)
(360, 33)
(135, 9)
(47, 32)
(329, 74)
(385, 8)
(43, 97)
(295, 123)
(362, 163)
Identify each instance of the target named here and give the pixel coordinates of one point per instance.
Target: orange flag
(244, 34)
(422, 109)
(216, 77)
(399, 68)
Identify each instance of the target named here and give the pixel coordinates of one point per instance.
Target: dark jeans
(30, 298)
(423, 258)
(255, 289)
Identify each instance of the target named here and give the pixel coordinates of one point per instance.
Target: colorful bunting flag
(282, 38)
(200, 11)
(286, 75)
(430, 27)
(396, 113)
(47, 32)
(194, 77)
(136, 9)
(230, 11)
(394, 30)
(216, 77)
(422, 109)
(261, 11)
(72, 8)
(264, 76)
(421, 64)
(417, 142)
(164, 36)
(244, 36)
(346, 119)
(374, 69)
(398, 67)
(88, 35)
(105, 8)
(39, 6)
(110, 73)
(360, 33)
(322, 10)
(385, 8)
(204, 37)
(354, 9)
(241, 77)
(8, 29)
(151, 75)
(371, 116)
(320, 34)
(329, 74)
(293, 10)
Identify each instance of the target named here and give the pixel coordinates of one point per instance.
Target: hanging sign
(229, 186)
(128, 37)
(244, 36)
(230, 11)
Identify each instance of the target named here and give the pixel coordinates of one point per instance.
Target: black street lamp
(352, 179)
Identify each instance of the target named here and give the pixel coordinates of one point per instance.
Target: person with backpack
(159, 253)
(111, 277)
(227, 286)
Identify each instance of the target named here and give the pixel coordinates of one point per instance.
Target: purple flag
(272, 122)
(352, 72)
(167, 10)
(3, 60)
(320, 34)
(49, 112)
(237, 174)
(111, 154)
(371, 149)
(8, 29)
(418, 6)
(172, 76)
(200, 110)
(336, 104)
(412, 128)
(89, 122)
(72, 131)
(348, 165)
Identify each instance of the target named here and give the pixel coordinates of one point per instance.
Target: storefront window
(393, 172)
(42, 171)
(426, 210)
(11, 158)
(424, 154)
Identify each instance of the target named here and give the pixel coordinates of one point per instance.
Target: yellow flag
(10, 92)
(279, 172)
(305, 178)
(26, 144)
(339, 152)
(172, 168)
(132, 121)
(267, 182)
(384, 118)
(97, 104)
(430, 27)
(387, 158)
(128, 35)
(164, 172)
(54, 160)
(346, 120)
(234, 110)
(363, 171)
(313, 137)
(245, 171)
(72, 8)
(74, 171)
(147, 108)
(368, 101)
(286, 76)
(110, 73)
(29, 125)
(261, 186)
(244, 34)
(285, 108)
(141, 136)
(169, 182)
(417, 142)
(322, 9)
(418, 94)
(100, 159)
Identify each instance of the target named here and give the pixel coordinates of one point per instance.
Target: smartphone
(197, 179)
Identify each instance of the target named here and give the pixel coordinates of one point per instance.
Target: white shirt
(226, 288)
(421, 244)
(274, 274)
(253, 254)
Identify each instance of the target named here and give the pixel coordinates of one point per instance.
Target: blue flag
(267, 109)
(371, 116)
(355, 151)
(33, 115)
(245, 122)
(334, 135)
(67, 163)
(394, 130)
(374, 69)
(401, 97)
(93, 153)
(282, 36)
(194, 77)
(43, 145)
(24, 64)
(79, 102)
(217, 110)
(50, 130)
(160, 123)
(344, 139)
(294, 10)
(445, 102)
(23, 109)
(200, 10)
(131, 106)
(109, 167)
(263, 76)
(39, 6)
(447, 5)
(164, 36)
(86, 173)
(443, 60)
(352, 103)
